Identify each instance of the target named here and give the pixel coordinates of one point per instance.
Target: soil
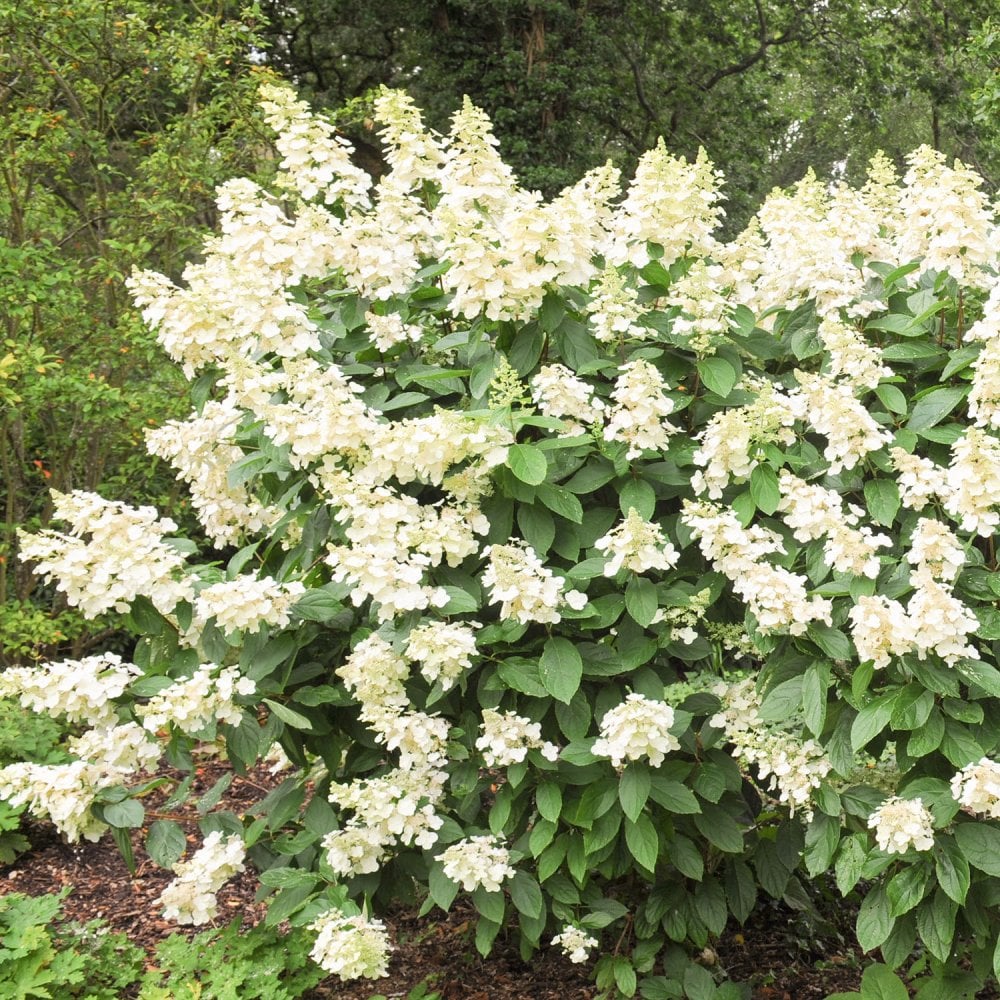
(778, 953)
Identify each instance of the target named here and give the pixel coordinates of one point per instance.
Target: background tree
(768, 87)
(117, 120)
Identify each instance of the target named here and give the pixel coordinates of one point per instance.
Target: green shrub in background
(610, 574)
(119, 119)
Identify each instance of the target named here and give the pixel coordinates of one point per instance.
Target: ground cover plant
(577, 561)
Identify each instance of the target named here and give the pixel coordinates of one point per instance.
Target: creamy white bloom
(350, 947)
(194, 703)
(935, 552)
(976, 787)
(637, 545)
(444, 650)
(575, 942)
(77, 690)
(559, 393)
(637, 728)
(477, 861)
(614, 308)
(126, 748)
(901, 824)
(191, 897)
(881, 629)
(61, 793)
(113, 554)
(247, 603)
(973, 482)
(375, 674)
(919, 479)
(639, 415)
(526, 588)
(507, 737)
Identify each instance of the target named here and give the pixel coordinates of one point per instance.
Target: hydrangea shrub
(573, 559)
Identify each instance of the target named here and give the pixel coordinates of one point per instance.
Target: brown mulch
(436, 950)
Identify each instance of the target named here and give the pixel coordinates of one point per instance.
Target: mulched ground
(776, 952)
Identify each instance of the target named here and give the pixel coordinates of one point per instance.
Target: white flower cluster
(614, 307)
(126, 748)
(477, 861)
(575, 942)
(901, 824)
(775, 596)
(390, 330)
(851, 356)
(919, 479)
(444, 650)
(247, 603)
(507, 738)
(62, 793)
(730, 442)
(76, 690)
(399, 806)
(637, 545)
(526, 589)
(559, 393)
(114, 554)
(973, 482)
(977, 788)
(191, 897)
(934, 621)
(200, 448)
(701, 295)
(795, 768)
(984, 399)
(638, 727)
(834, 411)
(194, 703)
(350, 947)
(639, 415)
(813, 512)
(315, 161)
(671, 203)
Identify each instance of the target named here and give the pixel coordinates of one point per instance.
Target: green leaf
(871, 720)
(951, 868)
(128, 813)
(698, 983)
(764, 488)
(719, 828)
(441, 888)
(560, 669)
(892, 398)
(165, 842)
(549, 798)
(905, 889)
(642, 841)
(882, 500)
(528, 463)
(287, 716)
(641, 600)
(560, 501)
(637, 494)
(673, 796)
(718, 375)
(874, 924)
(822, 838)
(491, 905)
(741, 889)
(815, 683)
(850, 862)
(526, 895)
(460, 602)
(288, 878)
(633, 789)
(934, 406)
(936, 924)
(980, 673)
(980, 845)
(317, 606)
(879, 982)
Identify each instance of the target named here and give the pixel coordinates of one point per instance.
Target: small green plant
(46, 958)
(27, 735)
(232, 964)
